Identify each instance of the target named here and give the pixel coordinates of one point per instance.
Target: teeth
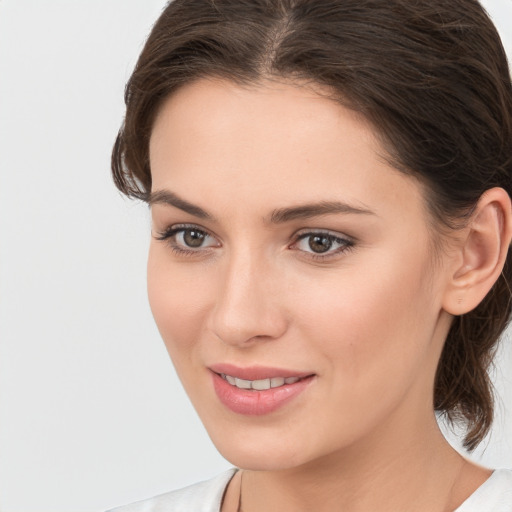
(275, 382)
(243, 384)
(259, 385)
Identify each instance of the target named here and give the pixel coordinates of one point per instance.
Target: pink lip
(256, 372)
(252, 402)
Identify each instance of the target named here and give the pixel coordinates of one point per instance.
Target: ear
(481, 254)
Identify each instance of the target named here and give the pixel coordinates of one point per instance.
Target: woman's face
(285, 247)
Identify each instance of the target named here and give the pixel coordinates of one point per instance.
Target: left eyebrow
(307, 211)
(171, 199)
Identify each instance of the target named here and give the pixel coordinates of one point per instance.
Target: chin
(260, 454)
(251, 458)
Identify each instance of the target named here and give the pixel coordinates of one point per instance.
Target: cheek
(176, 303)
(374, 319)
(371, 333)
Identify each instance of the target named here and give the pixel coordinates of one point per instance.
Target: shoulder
(201, 497)
(494, 495)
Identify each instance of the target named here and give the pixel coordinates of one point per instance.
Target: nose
(248, 306)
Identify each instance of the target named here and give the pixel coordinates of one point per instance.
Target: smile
(259, 385)
(260, 390)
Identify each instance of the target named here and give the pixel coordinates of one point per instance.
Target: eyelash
(346, 244)
(169, 236)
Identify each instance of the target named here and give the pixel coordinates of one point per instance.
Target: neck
(375, 475)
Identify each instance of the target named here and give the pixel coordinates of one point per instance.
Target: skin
(369, 320)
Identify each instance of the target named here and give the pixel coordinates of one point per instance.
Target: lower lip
(257, 403)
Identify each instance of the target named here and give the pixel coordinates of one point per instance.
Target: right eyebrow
(308, 211)
(171, 199)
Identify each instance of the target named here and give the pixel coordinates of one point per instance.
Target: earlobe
(482, 253)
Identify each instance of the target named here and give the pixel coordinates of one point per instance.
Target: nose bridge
(247, 305)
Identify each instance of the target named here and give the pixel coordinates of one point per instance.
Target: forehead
(273, 143)
(209, 105)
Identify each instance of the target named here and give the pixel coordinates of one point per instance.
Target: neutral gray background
(91, 413)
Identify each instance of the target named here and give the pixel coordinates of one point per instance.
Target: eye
(191, 238)
(322, 244)
(188, 239)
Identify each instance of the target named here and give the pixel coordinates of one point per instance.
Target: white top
(201, 497)
(494, 495)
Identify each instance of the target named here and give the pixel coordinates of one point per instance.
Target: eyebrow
(171, 199)
(278, 216)
(314, 210)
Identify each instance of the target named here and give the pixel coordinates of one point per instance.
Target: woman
(329, 184)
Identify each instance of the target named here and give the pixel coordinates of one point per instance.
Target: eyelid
(346, 243)
(176, 228)
(303, 233)
(168, 236)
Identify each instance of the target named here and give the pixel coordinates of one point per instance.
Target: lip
(252, 402)
(256, 372)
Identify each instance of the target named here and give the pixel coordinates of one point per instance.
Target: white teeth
(275, 382)
(259, 385)
(243, 384)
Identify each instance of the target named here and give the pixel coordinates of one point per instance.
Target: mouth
(261, 384)
(258, 391)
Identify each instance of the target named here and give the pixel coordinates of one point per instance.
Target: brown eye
(320, 243)
(188, 240)
(193, 237)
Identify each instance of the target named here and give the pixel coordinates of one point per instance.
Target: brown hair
(431, 75)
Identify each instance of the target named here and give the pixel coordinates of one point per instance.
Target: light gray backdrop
(91, 414)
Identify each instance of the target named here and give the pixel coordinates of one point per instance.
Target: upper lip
(256, 372)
